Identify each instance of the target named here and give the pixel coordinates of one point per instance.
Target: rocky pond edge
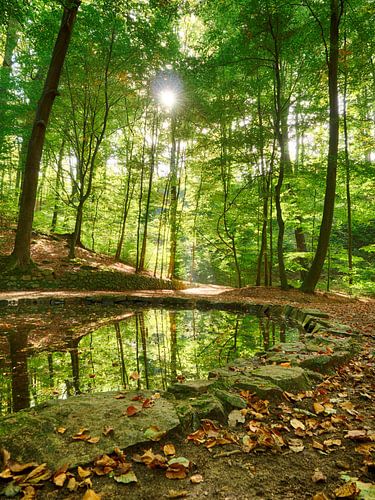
(33, 434)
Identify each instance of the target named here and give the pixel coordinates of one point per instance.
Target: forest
(226, 142)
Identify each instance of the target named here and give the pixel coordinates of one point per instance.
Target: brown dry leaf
(348, 490)
(148, 403)
(317, 445)
(177, 493)
(297, 424)
(176, 471)
(169, 449)
(357, 435)
(131, 411)
(59, 479)
(83, 473)
(6, 474)
(93, 440)
(60, 475)
(120, 396)
(134, 376)
(40, 473)
(102, 471)
(29, 493)
(72, 484)
(81, 435)
(318, 408)
(105, 461)
(365, 449)
(17, 467)
(332, 442)
(5, 456)
(318, 476)
(91, 495)
(61, 430)
(285, 365)
(107, 431)
(296, 445)
(151, 460)
(320, 496)
(196, 478)
(137, 397)
(156, 395)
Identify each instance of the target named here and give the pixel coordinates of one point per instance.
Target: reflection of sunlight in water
(150, 348)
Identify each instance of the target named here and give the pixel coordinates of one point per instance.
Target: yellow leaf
(91, 495)
(83, 473)
(196, 479)
(348, 490)
(297, 424)
(318, 408)
(169, 449)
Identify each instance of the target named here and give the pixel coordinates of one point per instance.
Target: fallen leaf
(40, 473)
(196, 479)
(297, 424)
(148, 403)
(83, 473)
(169, 449)
(107, 431)
(318, 408)
(176, 471)
(296, 445)
(29, 493)
(11, 489)
(154, 433)
(332, 442)
(357, 435)
(318, 476)
(348, 490)
(177, 493)
(320, 496)
(60, 476)
(317, 445)
(235, 417)
(285, 364)
(61, 430)
(93, 440)
(126, 478)
(91, 495)
(72, 484)
(17, 467)
(134, 376)
(131, 411)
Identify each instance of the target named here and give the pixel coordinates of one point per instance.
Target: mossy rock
(287, 378)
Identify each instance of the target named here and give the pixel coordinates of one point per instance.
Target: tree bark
(313, 275)
(21, 251)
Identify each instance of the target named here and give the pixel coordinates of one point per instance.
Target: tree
(21, 253)
(332, 59)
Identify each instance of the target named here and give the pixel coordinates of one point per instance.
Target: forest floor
(326, 437)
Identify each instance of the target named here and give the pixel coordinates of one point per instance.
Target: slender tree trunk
(173, 202)
(347, 177)
(313, 275)
(21, 251)
(284, 165)
(142, 257)
(57, 186)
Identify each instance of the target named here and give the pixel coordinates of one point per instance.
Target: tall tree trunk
(142, 257)
(173, 201)
(21, 251)
(57, 186)
(284, 165)
(313, 275)
(347, 174)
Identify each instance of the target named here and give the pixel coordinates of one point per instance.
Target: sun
(168, 98)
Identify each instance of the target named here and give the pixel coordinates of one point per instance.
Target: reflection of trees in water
(17, 341)
(120, 352)
(158, 344)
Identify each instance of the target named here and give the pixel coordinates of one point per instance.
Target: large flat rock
(287, 378)
(31, 435)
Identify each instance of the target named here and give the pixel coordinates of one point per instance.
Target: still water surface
(149, 348)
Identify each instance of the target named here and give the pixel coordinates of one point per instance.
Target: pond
(132, 349)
